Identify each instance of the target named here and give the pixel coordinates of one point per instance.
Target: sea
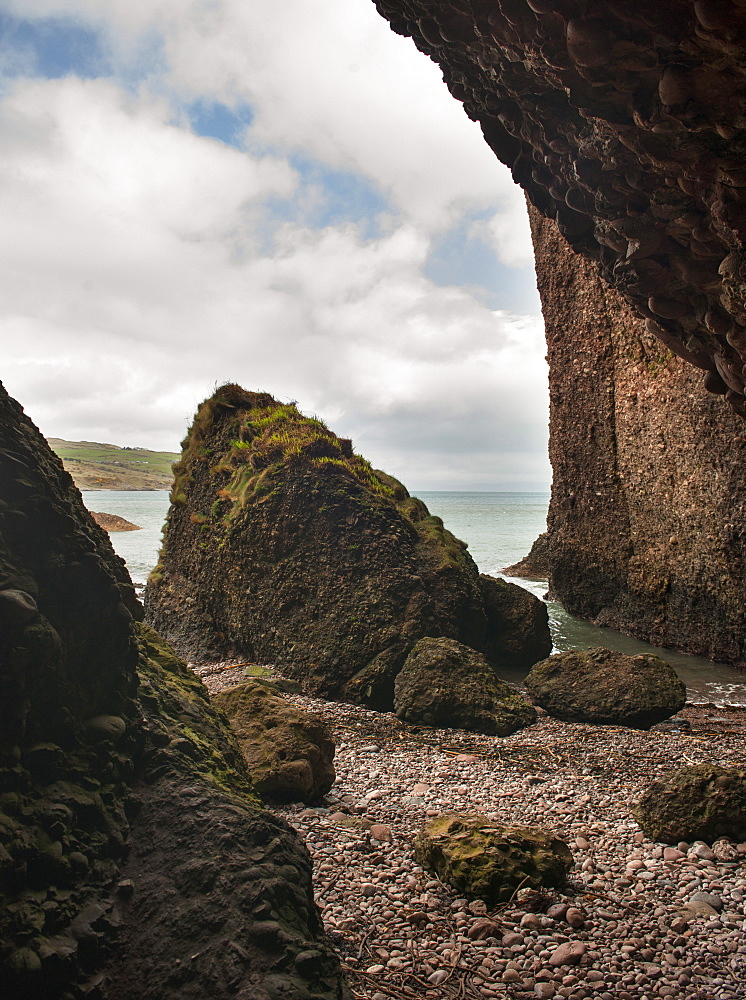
(499, 529)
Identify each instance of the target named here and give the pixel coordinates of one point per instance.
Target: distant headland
(96, 466)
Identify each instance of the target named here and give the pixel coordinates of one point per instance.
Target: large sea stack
(283, 546)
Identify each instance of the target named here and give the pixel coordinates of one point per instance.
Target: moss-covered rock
(487, 860)
(127, 813)
(444, 683)
(603, 686)
(289, 752)
(284, 546)
(697, 802)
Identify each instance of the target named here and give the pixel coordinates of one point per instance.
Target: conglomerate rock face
(284, 547)
(647, 521)
(625, 122)
(130, 837)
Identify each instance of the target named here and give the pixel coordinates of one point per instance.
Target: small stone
(672, 854)
(511, 976)
(569, 953)
(483, 928)
(557, 911)
(710, 898)
(438, 977)
(575, 917)
(531, 920)
(703, 852)
(368, 889)
(417, 918)
(381, 832)
(512, 938)
(420, 789)
(374, 970)
(544, 991)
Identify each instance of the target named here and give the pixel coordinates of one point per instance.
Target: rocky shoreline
(636, 920)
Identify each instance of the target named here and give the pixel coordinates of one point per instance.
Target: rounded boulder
(698, 802)
(446, 684)
(487, 860)
(603, 686)
(290, 753)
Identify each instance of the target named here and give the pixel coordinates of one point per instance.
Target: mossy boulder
(483, 859)
(697, 802)
(446, 684)
(289, 752)
(283, 546)
(602, 686)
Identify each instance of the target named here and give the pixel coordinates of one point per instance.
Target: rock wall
(646, 523)
(135, 860)
(624, 121)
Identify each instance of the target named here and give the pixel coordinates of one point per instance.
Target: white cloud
(141, 264)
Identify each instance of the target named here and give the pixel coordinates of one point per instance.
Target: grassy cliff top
(97, 466)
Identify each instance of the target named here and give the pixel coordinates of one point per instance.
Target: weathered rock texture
(284, 547)
(289, 752)
(115, 796)
(490, 861)
(698, 802)
(646, 525)
(445, 684)
(624, 121)
(603, 686)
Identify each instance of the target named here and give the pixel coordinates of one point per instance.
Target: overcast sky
(201, 191)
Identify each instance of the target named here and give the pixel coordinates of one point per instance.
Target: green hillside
(97, 466)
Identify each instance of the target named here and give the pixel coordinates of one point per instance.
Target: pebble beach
(637, 919)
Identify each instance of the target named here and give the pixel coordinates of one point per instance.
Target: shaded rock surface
(624, 123)
(284, 547)
(445, 684)
(603, 686)
(97, 881)
(535, 565)
(289, 752)
(646, 520)
(695, 802)
(487, 860)
(517, 624)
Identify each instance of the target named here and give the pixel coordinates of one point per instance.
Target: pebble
(628, 926)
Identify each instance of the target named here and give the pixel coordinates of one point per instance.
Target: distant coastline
(96, 466)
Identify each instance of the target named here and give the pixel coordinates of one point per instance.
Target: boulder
(289, 752)
(483, 859)
(446, 684)
(697, 802)
(283, 546)
(518, 625)
(602, 686)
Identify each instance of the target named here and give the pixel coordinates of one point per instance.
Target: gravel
(636, 920)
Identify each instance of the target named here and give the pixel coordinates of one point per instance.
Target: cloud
(143, 263)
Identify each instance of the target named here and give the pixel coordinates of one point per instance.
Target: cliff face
(624, 121)
(646, 522)
(283, 546)
(135, 861)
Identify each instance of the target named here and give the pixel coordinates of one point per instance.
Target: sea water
(499, 529)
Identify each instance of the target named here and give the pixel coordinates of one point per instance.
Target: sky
(281, 195)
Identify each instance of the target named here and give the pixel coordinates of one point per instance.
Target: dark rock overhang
(625, 121)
